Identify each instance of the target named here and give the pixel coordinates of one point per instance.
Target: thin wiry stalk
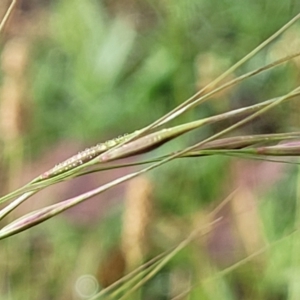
(238, 264)
(10, 207)
(195, 98)
(261, 158)
(156, 139)
(221, 133)
(157, 136)
(136, 280)
(260, 151)
(50, 211)
(249, 257)
(236, 145)
(235, 81)
(7, 14)
(205, 230)
(119, 141)
(287, 149)
(242, 122)
(153, 140)
(195, 233)
(53, 210)
(250, 140)
(38, 184)
(130, 275)
(43, 214)
(89, 154)
(237, 142)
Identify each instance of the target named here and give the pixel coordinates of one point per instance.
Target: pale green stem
(7, 14)
(10, 207)
(181, 246)
(51, 211)
(180, 109)
(43, 214)
(130, 275)
(226, 271)
(195, 233)
(175, 131)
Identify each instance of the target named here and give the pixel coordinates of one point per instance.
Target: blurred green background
(75, 73)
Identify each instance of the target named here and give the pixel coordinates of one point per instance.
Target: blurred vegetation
(99, 69)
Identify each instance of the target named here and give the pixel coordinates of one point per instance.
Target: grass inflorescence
(148, 139)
